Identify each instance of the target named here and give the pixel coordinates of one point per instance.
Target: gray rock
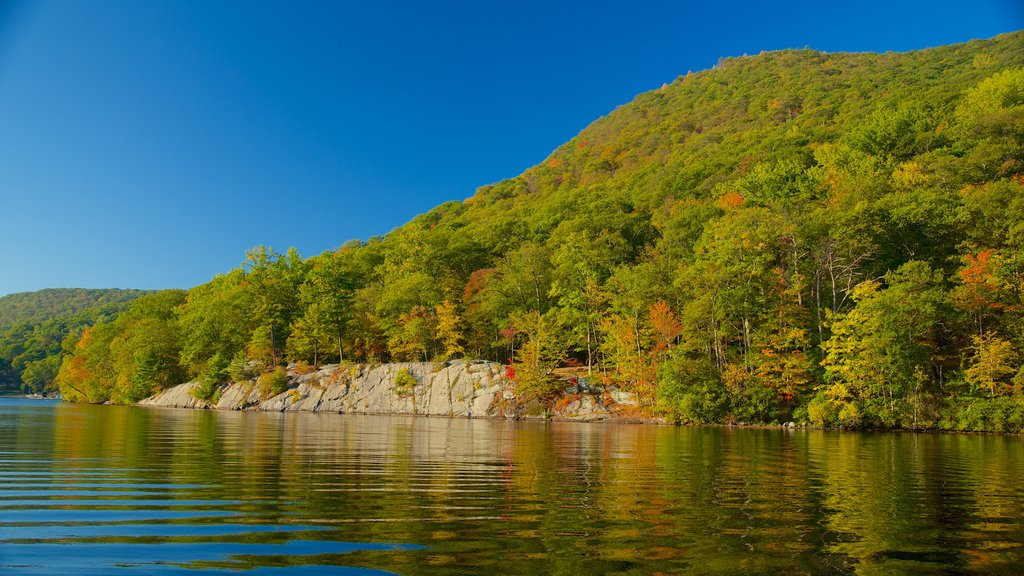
(460, 388)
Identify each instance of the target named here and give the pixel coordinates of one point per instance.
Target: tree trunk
(273, 345)
(590, 369)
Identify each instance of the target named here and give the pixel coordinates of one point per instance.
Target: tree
(449, 329)
(993, 361)
(412, 337)
(980, 292)
(538, 355)
(129, 358)
(690, 390)
(214, 319)
(326, 296)
(272, 281)
(309, 335)
(665, 325)
(882, 351)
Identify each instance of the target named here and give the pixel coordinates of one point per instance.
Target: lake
(105, 490)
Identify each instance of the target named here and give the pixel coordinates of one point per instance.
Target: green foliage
(880, 353)
(272, 383)
(993, 362)
(215, 374)
(129, 358)
(985, 414)
(37, 307)
(404, 383)
(539, 353)
(836, 237)
(692, 391)
(241, 369)
(33, 326)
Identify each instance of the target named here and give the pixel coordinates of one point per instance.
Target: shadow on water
(95, 489)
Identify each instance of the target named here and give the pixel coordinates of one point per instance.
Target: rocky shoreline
(461, 388)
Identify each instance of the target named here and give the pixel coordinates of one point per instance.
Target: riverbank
(461, 388)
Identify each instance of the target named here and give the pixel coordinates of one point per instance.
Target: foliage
(215, 374)
(691, 390)
(33, 326)
(538, 355)
(37, 307)
(272, 383)
(404, 383)
(836, 237)
(129, 358)
(985, 414)
(241, 369)
(992, 363)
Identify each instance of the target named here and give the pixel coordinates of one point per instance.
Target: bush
(302, 368)
(825, 411)
(1000, 414)
(405, 383)
(691, 391)
(203, 390)
(272, 383)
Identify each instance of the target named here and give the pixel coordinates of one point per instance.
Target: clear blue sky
(148, 144)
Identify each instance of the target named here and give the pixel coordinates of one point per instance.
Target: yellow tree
(538, 356)
(449, 329)
(627, 346)
(992, 364)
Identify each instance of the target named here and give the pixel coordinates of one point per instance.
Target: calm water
(105, 490)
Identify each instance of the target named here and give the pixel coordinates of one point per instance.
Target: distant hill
(34, 324)
(41, 305)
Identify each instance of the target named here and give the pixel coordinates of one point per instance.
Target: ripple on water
(98, 490)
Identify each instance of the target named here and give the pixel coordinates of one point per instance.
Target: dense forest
(35, 325)
(792, 236)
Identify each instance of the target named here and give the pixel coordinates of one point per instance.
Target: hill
(797, 235)
(33, 325)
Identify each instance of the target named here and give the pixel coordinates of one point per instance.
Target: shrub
(302, 368)
(204, 390)
(405, 383)
(272, 383)
(986, 414)
(830, 409)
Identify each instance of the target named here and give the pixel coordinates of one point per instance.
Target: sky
(148, 144)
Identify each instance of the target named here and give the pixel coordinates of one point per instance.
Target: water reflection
(95, 488)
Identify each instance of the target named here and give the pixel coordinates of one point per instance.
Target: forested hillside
(34, 324)
(832, 238)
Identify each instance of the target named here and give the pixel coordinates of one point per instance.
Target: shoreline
(459, 389)
(653, 421)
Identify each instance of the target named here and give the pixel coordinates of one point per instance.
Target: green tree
(214, 319)
(537, 356)
(882, 351)
(272, 281)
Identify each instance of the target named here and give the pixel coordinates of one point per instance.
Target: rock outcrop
(470, 389)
